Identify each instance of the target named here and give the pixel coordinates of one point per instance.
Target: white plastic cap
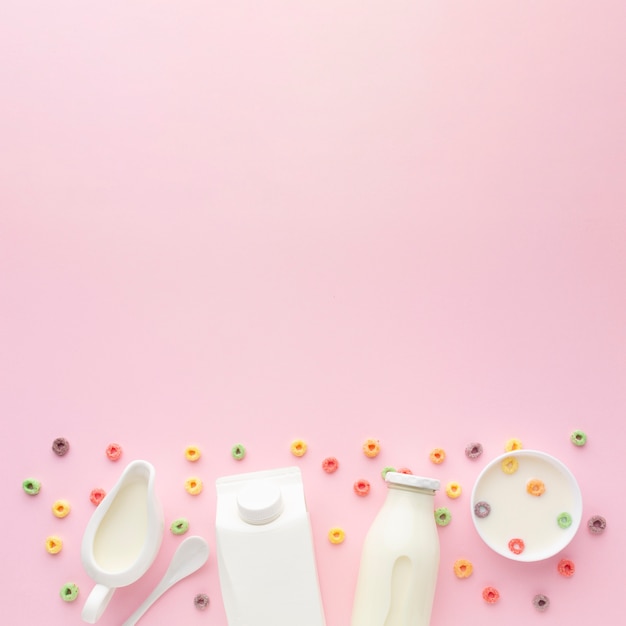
(261, 502)
(409, 480)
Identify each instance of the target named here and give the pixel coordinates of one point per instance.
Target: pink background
(256, 221)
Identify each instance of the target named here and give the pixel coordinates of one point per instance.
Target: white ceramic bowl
(517, 514)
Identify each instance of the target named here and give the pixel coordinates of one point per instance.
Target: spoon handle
(157, 592)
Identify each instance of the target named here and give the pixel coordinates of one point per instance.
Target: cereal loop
(463, 568)
(596, 524)
(361, 487)
(31, 486)
(54, 545)
(473, 450)
(564, 520)
(371, 448)
(193, 485)
(386, 470)
(509, 465)
(330, 464)
(192, 453)
(516, 546)
(535, 487)
(482, 509)
(238, 452)
(201, 601)
(404, 470)
(541, 602)
(61, 508)
(443, 516)
(69, 592)
(60, 446)
(114, 451)
(437, 456)
(491, 595)
(179, 526)
(298, 447)
(336, 535)
(512, 444)
(96, 496)
(566, 568)
(578, 438)
(453, 490)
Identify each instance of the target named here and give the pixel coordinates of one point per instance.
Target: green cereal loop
(578, 438)
(238, 452)
(69, 592)
(31, 486)
(443, 516)
(179, 526)
(564, 520)
(386, 470)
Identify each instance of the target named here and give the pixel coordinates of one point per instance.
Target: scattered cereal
(69, 592)
(97, 495)
(361, 487)
(438, 455)
(509, 465)
(596, 524)
(31, 486)
(193, 485)
(578, 438)
(516, 546)
(298, 447)
(179, 526)
(463, 568)
(238, 452)
(453, 490)
(330, 464)
(54, 545)
(60, 446)
(404, 470)
(566, 567)
(201, 601)
(336, 535)
(473, 450)
(541, 602)
(61, 508)
(564, 520)
(512, 444)
(535, 487)
(114, 451)
(386, 470)
(371, 447)
(192, 453)
(482, 509)
(443, 516)
(491, 595)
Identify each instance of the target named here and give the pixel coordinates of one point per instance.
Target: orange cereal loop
(192, 453)
(54, 545)
(298, 447)
(437, 456)
(193, 486)
(463, 568)
(512, 444)
(535, 487)
(453, 490)
(371, 448)
(336, 535)
(61, 508)
(509, 465)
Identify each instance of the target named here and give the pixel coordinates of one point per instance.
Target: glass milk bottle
(400, 558)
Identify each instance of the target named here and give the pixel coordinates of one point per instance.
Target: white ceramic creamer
(400, 557)
(265, 553)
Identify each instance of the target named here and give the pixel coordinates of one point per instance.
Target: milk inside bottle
(400, 557)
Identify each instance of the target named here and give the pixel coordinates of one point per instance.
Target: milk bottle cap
(260, 502)
(410, 480)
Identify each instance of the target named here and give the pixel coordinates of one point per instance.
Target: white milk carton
(265, 554)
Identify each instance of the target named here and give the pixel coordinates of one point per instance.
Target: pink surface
(251, 222)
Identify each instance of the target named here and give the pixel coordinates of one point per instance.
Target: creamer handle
(97, 602)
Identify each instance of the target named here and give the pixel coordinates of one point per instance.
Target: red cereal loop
(516, 546)
(566, 568)
(404, 470)
(330, 464)
(361, 487)
(491, 595)
(96, 496)
(114, 451)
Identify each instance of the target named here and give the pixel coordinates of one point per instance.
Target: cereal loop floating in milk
(482, 509)
(509, 465)
(564, 520)
(516, 546)
(535, 487)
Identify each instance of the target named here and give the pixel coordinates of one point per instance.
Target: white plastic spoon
(190, 556)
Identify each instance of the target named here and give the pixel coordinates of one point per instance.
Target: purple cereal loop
(596, 524)
(201, 601)
(482, 509)
(60, 446)
(541, 602)
(473, 450)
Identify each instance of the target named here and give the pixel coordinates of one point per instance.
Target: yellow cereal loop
(453, 490)
(509, 465)
(371, 448)
(298, 447)
(437, 456)
(193, 486)
(513, 444)
(336, 535)
(192, 453)
(463, 568)
(54, 545)
(61, 508)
